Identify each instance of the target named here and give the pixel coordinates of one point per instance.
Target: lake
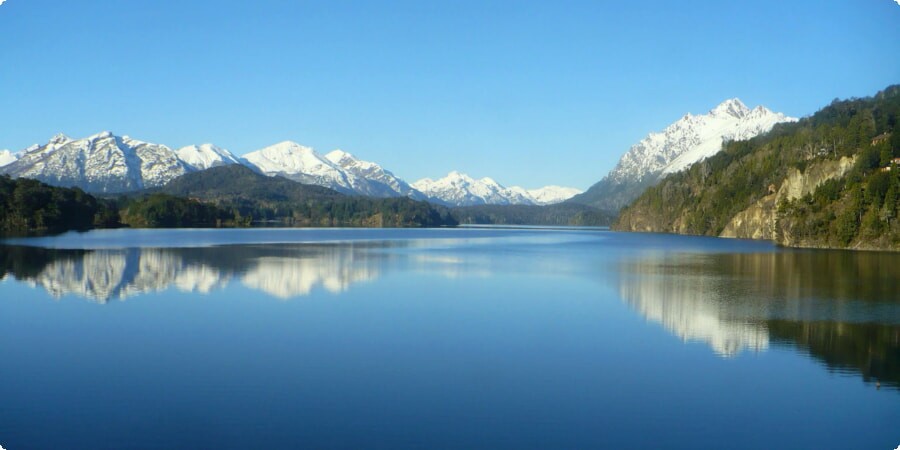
(444, 338)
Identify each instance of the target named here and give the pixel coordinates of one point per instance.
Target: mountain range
(106, 163)
(459, 189)
(681, 144)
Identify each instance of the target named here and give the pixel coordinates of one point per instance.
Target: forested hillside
(247, 194)
(569, 214)
(224, 196)
(29, 205)
(829, 180)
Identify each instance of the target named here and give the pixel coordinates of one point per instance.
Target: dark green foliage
(247, 195)
(28, 262)
(853, 211)
(235, 181)
(28, 205)
(870, 348)
(224, 196)
(166, 211)
(559, 214)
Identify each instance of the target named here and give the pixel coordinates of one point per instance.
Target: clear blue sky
(529, 93)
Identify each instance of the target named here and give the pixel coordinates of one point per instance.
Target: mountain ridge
(459, 189)
(108, 164)
(679, 145)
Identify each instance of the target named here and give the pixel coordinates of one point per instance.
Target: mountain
(552, 194)
(337, 170)
(99, 163)
(690, 139)
(248, 194)
(382, 183)
(300, 163)
(829, 180)
(204, 156)
(106, 163)
(234, 182)
(459, 189)
(7, 157)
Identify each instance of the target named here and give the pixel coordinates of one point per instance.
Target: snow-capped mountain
(383, 183)
(108, 163)
(690, 139)
(204, 156)
(337, 170)
(99, 163)
(459, 189)
(300, 163)
(7, 157)
(549, 195)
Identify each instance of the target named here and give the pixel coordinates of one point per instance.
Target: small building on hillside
(880, 138)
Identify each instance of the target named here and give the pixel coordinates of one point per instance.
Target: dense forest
(571, 214)
(245, 194)
(829, 180)
(168, 211)
(29, 205)
(226, 196)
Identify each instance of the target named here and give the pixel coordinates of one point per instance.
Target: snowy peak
(101, 162)
(681, 144)
(372, 179)
(349, 162)
(693, 138)
(205, 156)
(549, 195)
(339, 156)
(733, 107)
(300, 163)
(289, 158)
(459, 189)
(7, 157)
(93, 137)
(59, 139)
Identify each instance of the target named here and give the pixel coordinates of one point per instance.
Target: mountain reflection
(103, 275)
(842, 308)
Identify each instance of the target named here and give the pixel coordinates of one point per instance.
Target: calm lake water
(448, 338)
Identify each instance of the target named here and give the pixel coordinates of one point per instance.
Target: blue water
(446, 338)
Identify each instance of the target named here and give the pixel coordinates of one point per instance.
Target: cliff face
(761, 221)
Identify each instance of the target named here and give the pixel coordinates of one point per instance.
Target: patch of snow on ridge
(7, 157)
(299, 163)
(549, 195)
(204, 156)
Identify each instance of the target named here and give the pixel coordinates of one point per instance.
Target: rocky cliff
(761, 220)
